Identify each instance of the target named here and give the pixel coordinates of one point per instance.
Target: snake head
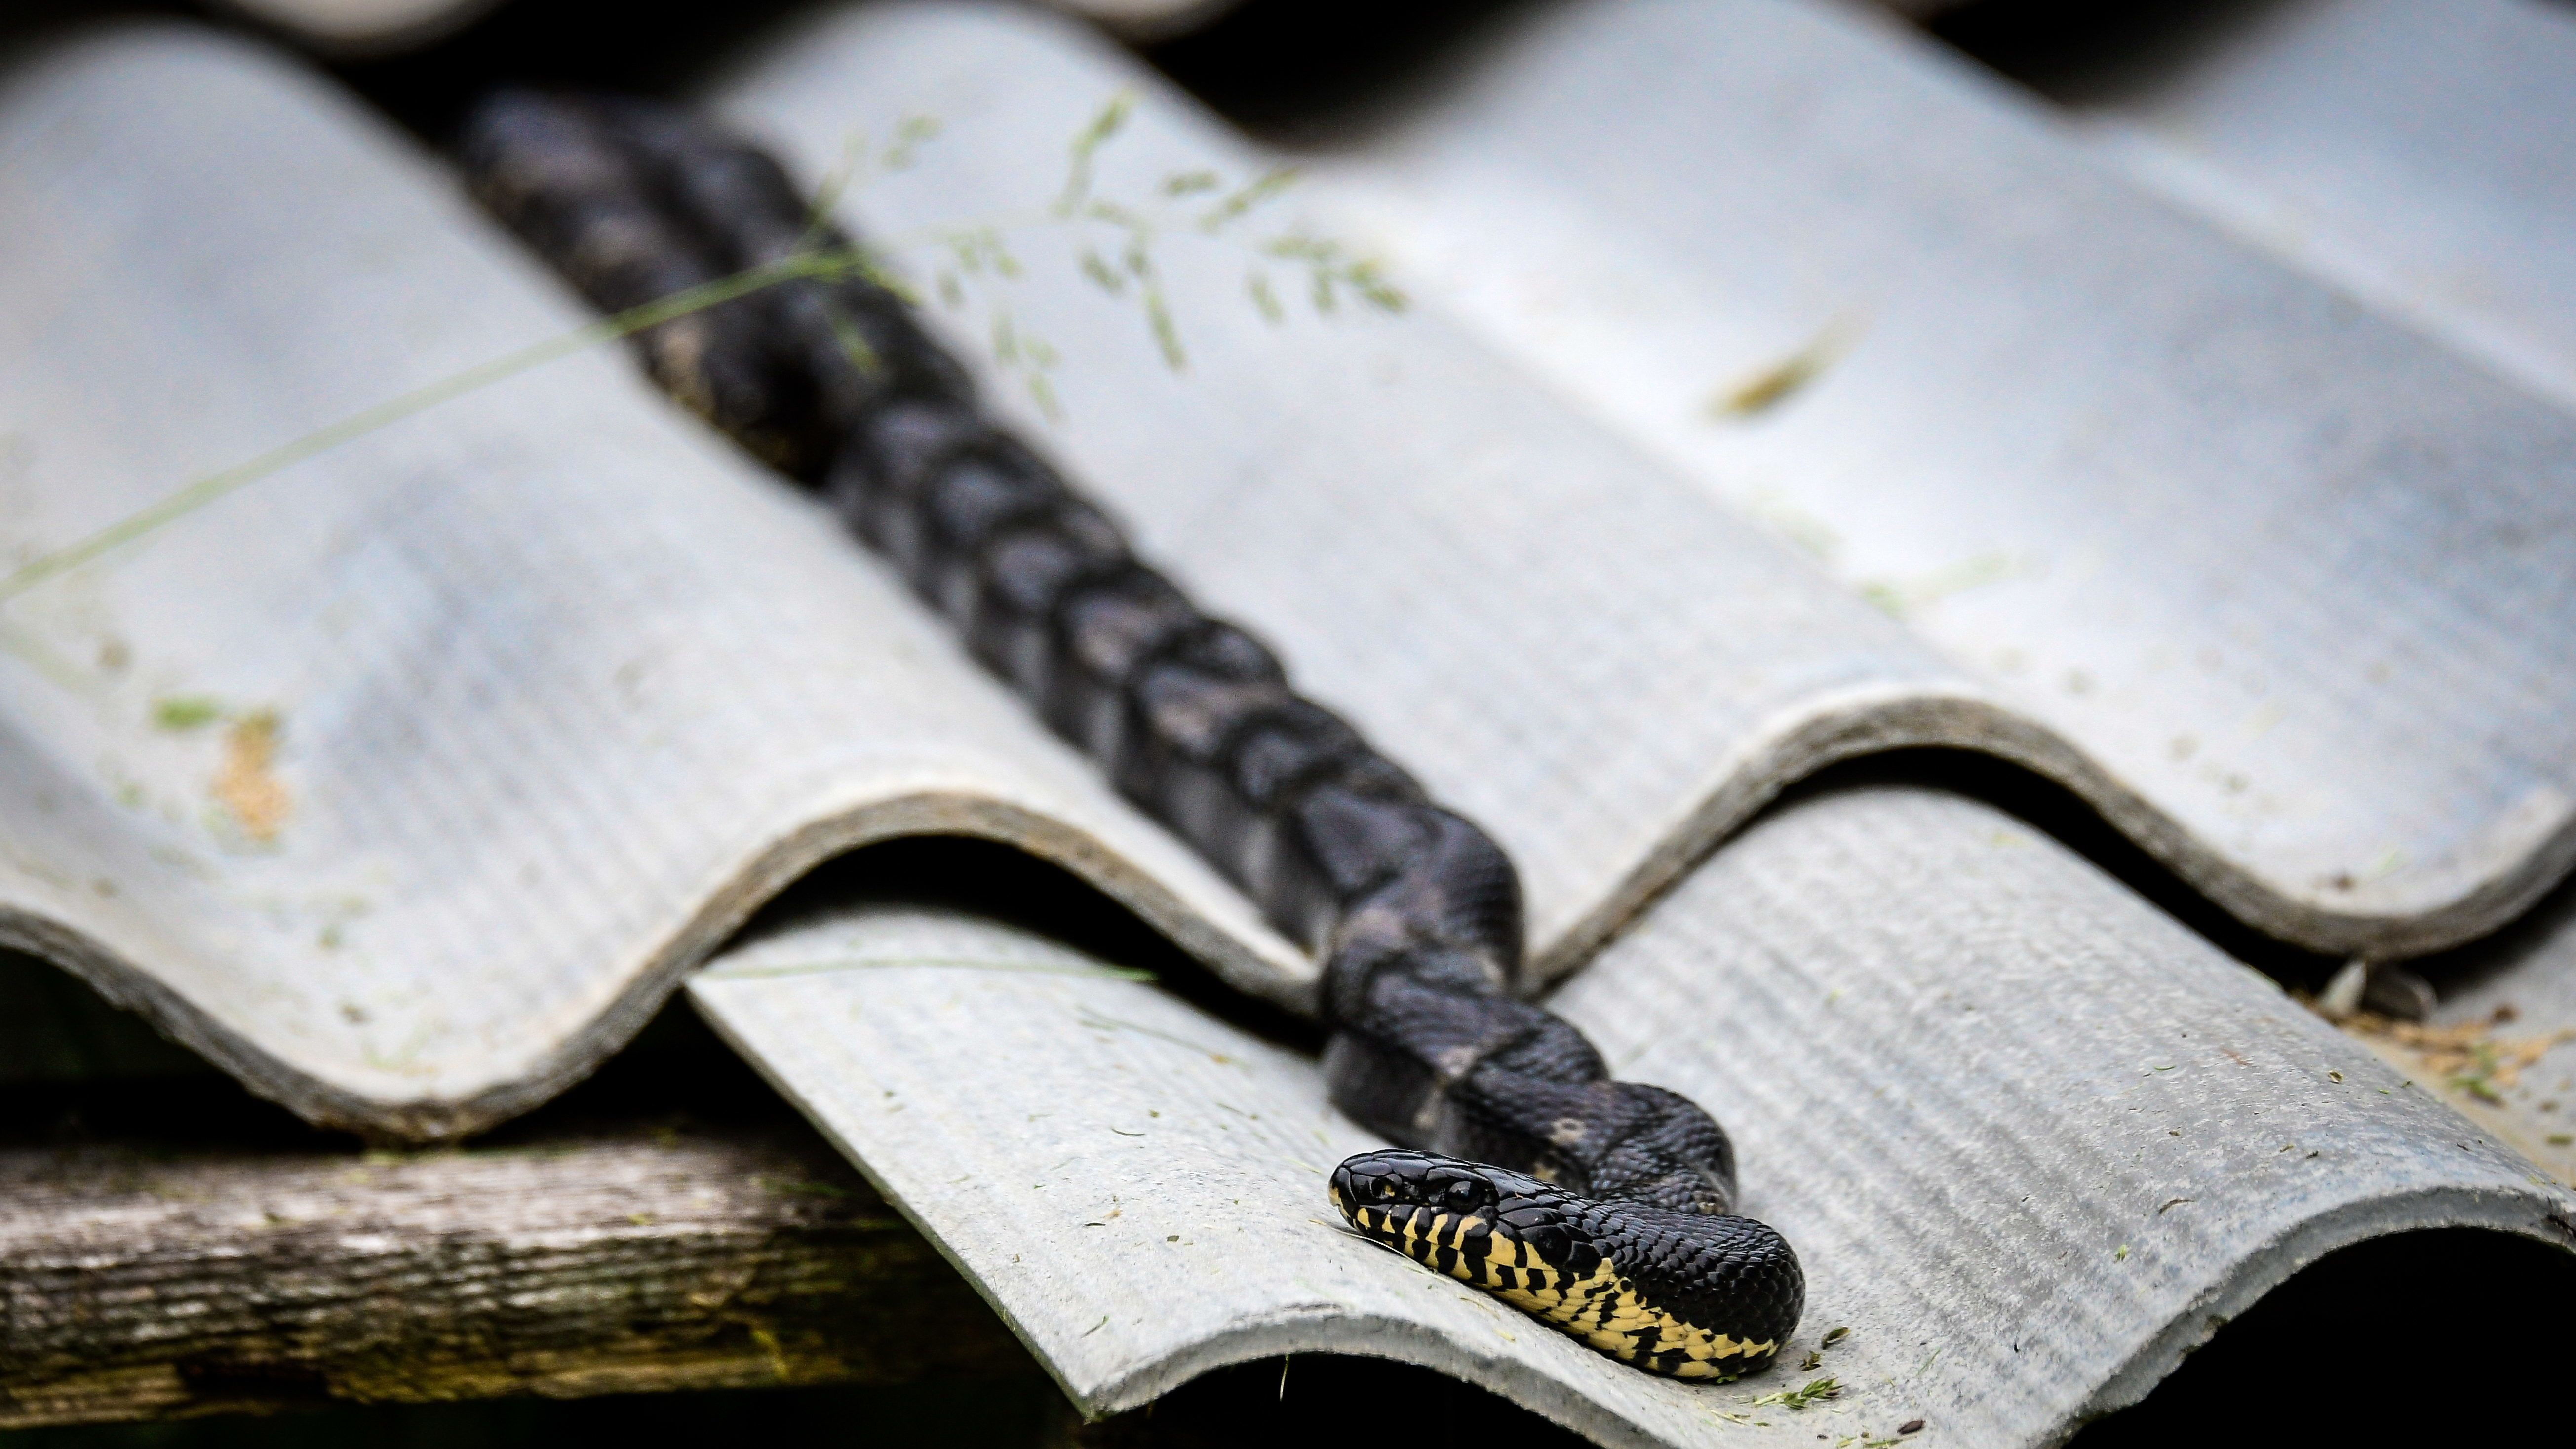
(1402, 1181)
(1447, 1214)
(1691, 1295)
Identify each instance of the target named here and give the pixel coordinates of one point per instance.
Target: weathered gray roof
(2034, 1142)
(2418, 157)
(2179, 507)
(2162, 518)
(383, 27)
(365, 27)
(536, 738)
(542, 741)
(2413, 154)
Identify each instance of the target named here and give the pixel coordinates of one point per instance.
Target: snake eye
(1462, 1196)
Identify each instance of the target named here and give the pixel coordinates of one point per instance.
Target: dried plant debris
(1766, 387)
(2466, 1056)
(1813, 1391)
(1816, 1356)
(180, 713)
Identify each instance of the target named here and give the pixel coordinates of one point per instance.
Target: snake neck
(1431, 1050)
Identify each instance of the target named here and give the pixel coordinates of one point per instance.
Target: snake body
(1608, 1210)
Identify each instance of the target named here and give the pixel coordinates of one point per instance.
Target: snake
(1605, 1208)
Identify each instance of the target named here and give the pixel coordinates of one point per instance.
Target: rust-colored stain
(247, 785)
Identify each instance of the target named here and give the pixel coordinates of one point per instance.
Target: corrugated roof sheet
(384, 27)
(405, 784)
(2279, 584)
(2033, 1141)
(2272, 564)
(2416, 155)
(2170, 512)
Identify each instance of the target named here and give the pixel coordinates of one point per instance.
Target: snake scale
(1607, 1209)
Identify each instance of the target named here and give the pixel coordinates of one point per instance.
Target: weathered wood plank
(139, 1285)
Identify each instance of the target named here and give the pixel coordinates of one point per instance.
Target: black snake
(1611, 1216)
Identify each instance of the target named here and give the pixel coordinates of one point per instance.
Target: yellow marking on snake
(1601, 1308)
(1602, 1311)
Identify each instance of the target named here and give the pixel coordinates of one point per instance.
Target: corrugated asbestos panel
(2299, 580)
(384, 27)
(1655, 667)
(2033, 1140)
(364, 27)
(2284, 589)
(206, 824)
(1595, 660)
(406, 782)
(2421, 156)
(1147, 20)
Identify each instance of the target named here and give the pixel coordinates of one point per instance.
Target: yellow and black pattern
(1685, 1295)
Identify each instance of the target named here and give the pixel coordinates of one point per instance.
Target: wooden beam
(141, 1285)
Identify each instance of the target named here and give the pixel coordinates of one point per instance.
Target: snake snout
(1378, 1180)
(1402, 1180)
(1434, 1209)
